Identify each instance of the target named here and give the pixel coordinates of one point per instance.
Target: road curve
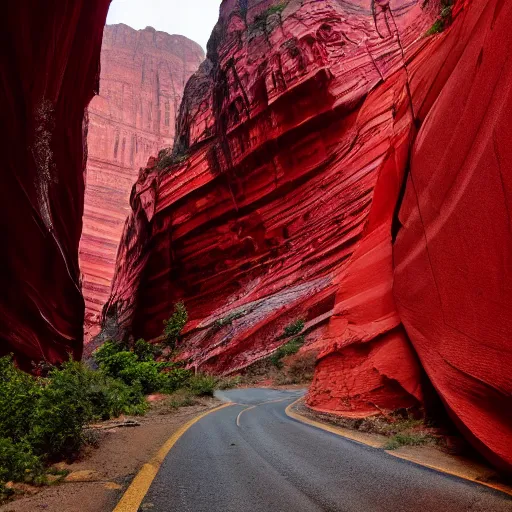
(251, 457)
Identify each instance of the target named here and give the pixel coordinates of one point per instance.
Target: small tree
(175, 324)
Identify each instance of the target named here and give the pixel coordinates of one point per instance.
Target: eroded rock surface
(303, 162)
(143, 74)
(49, 68)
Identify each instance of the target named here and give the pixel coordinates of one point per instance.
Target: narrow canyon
(346, 162)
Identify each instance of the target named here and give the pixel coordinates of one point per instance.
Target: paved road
(271, 463)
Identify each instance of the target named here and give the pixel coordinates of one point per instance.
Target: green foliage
(404, 439)
(111, 397)
(175, 324)
(144, 351)
(148, 375)
(167, 159)
(18, 462)
(42, 419)
(294, 328)
(62, 412)
(445, 18)
(292, 347)
(202, 384)
(260, 20)
(19, 395)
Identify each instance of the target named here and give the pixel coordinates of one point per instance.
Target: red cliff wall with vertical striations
(143, 74)
(49, 71)
(313, 176)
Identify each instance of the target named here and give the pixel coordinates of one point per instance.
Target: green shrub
(62, 411)
(149, 375)
(175, 324)
(445, 18)
(294, 328)
(18, 462)
(174, 379)
(144, 351)
(111, 397)
(412, 439)
(260, 20)
(202, 384)
(19, 394)
(292, 347)
(103, 354)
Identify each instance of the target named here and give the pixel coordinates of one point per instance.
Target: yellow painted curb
(343, 432)
(498, 487)
(358, 437)
(139, 487)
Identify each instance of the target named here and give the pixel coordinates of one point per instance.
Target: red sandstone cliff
(49, 67)
(316, 174)
(143, 74)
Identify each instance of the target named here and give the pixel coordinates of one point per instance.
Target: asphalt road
(264, 461)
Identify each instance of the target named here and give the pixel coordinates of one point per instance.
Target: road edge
(138, 488)
(358, 438)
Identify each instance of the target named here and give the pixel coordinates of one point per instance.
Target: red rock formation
(285, 143)
(295, 140)
(453, 255)
(49, 70)
(143, 74)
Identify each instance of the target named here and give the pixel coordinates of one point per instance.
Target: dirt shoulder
(97, 481)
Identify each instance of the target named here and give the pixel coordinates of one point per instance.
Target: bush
(175, 324)
(42, 419)
(19, 394)
(202, 384)
(62, 412)
(144, 351)
(149, 375)
(18, 462)
(294, 328)
(111, 397)
(412, 439)
(292, 347)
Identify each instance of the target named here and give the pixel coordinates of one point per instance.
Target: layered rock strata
(143, 74)
(317, 174)
(49, 70)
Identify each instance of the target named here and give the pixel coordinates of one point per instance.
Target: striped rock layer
(143, 74)
(334, 162)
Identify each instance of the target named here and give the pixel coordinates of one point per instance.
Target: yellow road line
(355, 436)
(139, 487)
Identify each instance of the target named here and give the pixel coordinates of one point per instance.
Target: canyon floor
(262, 451)
(253, 456)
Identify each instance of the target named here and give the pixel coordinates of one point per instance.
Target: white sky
(194, 19)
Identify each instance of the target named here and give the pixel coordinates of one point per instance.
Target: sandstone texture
(335, 162)
(143, 74)
(49, 72)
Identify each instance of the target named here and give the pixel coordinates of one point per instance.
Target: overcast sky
(194, 19)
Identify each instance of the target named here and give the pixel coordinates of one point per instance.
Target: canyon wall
(143, 74)
(316, 173)
(49, 70)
